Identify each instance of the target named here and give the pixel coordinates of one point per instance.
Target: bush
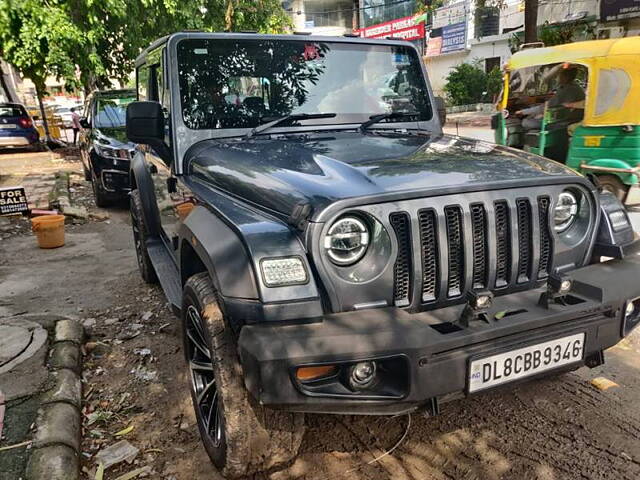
(468, 84)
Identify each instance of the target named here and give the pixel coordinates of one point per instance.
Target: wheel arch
(208, 244)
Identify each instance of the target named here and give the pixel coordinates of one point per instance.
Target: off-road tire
(255, 438)
(99, 194)
(147, 271)
(611, 183)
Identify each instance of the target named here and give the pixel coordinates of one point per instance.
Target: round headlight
(565, 211)
(346, 241)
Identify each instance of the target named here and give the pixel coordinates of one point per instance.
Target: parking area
(558, 428)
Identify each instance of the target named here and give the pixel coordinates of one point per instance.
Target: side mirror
(441, 108)
(145, 125)
(84, 123)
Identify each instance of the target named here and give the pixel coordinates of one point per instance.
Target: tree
(530, 21)
(88, 43)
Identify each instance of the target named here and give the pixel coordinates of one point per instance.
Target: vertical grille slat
(430, 253)
(525, 241)
(480, 247)
(546, 248)
(402, 268)
(503, 244)
(455, 240)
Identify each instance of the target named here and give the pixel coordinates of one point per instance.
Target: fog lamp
(362, 374)
(478, 302)
(558, 286)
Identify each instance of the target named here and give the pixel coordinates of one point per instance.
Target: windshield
(239, 84)
(111, 111)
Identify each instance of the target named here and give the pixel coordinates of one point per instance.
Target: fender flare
(221, 251)
(140, 178)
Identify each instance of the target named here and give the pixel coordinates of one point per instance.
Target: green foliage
(468, 83)
(89, 42)
(568, 32)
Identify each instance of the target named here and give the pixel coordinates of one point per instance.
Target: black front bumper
(113, 175)
(435, 356)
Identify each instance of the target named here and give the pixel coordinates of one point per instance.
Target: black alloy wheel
(203, 381)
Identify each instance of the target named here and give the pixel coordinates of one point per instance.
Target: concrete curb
(56, 442)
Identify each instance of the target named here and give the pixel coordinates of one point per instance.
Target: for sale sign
(13, 200)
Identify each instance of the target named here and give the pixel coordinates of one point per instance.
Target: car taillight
(25, 122)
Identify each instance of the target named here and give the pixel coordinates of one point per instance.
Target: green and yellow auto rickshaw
(597, 132)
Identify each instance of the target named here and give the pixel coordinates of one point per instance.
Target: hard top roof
(174, 37)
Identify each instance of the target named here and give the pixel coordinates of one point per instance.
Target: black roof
(174, 37)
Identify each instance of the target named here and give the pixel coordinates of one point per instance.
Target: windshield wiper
(287, 118)
(383, 116)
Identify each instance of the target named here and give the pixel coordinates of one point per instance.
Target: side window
(143, 82)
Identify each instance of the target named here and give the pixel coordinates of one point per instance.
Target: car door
(169, 196)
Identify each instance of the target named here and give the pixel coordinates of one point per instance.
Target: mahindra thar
(329, 250)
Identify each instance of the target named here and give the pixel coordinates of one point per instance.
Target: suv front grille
(494, 245)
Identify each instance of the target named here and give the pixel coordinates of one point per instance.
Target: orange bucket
(49, 230)
(184, 209)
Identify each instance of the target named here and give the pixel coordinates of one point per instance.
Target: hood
(115, 137)
(320, 169)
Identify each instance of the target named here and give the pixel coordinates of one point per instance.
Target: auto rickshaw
(598, 136)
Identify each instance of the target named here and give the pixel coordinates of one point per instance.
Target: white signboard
(449, 15)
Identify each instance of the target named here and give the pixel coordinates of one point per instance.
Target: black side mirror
(145, 125)
(84, 123)
(441, 108)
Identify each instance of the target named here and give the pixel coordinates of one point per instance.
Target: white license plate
(8, 126)
(509, 366)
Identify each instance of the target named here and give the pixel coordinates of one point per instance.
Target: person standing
(75, 124)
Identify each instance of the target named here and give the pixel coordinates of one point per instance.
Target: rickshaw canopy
(613, 90)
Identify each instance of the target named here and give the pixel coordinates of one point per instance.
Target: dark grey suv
(329, 250)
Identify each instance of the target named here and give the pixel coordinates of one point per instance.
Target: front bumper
(113, 175)
(435, 356)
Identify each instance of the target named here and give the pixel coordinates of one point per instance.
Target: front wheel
(240, 436)
(611, 183)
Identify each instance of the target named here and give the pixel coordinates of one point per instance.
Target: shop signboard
(611, 10)
(454, 37)
(434, 47)
(449, 15)
(403, 28)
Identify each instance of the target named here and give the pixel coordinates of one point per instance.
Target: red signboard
(403, 28)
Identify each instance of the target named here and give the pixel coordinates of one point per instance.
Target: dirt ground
(558, 428)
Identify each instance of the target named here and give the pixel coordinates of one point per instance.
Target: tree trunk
(45, 122)
(530, 21)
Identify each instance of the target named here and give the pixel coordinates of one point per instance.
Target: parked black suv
(104, 148)
(330, 250)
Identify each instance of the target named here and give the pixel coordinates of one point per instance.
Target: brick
(69, 331)
(65, 355)
(56, 462)
(66, 388)
(58, 423)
